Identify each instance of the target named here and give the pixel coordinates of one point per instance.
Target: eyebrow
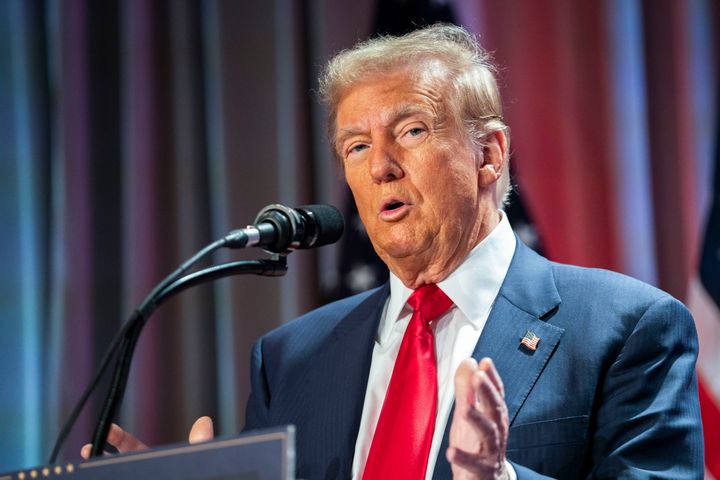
(396, 114)
(345, 133)
(404, 110)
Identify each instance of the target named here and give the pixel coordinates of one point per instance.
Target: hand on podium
(479, 429)
(201, 431)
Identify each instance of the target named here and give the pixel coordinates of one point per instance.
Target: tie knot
(430, 302)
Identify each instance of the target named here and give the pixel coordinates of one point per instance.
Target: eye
(413, 134)
(355, 149)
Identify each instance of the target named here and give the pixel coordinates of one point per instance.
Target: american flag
(704, 302)
(530, 341)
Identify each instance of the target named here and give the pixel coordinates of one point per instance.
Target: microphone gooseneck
(278, 229)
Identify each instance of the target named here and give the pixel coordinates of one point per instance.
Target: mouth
(392, 205)
(393, 209)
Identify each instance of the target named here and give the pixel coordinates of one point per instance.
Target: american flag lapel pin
(530, 341)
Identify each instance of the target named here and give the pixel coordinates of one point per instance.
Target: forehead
(382, 99)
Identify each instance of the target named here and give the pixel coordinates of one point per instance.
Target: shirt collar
(472, 286)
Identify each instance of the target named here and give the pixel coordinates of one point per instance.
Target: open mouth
(393, 205)
(393, 210)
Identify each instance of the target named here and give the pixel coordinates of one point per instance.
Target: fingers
(464, 374)
(118, 438)
(85, 451)
(480, 404)
(491, 405)
(202, 430)
(478, 435)
(478, 467)
(486, 430)
(464, 391)
(487, 366)
(123, 441)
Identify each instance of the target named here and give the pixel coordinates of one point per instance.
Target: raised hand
(479, 429)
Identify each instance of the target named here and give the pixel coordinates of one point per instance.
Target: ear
(492, 159)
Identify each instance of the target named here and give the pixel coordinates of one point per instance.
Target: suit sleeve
(647, 420)
(256, 413)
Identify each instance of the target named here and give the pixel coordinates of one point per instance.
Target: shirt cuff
(512, 475)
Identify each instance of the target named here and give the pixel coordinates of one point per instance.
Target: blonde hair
(474, 98)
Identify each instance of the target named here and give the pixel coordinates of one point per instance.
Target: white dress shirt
(472, 287)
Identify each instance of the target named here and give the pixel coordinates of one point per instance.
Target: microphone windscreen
(328, 222)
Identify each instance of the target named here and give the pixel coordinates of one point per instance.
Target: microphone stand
(278, 228)
(127, 336)
(274, 267)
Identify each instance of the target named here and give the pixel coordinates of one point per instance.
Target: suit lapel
(526, 299)
(518, 366)
(353, 340)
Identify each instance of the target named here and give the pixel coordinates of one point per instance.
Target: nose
(384, 165)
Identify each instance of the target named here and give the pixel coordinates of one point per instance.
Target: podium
(259, 455)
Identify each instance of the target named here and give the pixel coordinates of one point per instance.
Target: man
(604, 383)
(582, 373)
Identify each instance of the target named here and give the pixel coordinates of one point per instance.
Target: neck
(438, 262)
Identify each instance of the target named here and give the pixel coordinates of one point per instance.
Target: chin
(398, 249)
(397, 252)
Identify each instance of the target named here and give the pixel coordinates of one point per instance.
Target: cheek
(455, 188)
(362, 198)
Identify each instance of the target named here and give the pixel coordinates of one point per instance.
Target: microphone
(277, 228)
(281, 229)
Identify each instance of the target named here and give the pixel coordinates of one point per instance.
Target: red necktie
(401, 444)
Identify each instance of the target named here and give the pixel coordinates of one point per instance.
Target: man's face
(411, 168)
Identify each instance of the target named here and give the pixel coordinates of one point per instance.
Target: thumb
(464, 391)
(202, 430)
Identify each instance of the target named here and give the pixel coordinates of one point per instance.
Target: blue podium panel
(259, 455)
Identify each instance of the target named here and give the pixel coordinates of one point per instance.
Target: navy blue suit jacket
(610, 391)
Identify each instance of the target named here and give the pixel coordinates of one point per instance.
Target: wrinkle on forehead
(418, 69)
(425, 97)
(391, 116)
